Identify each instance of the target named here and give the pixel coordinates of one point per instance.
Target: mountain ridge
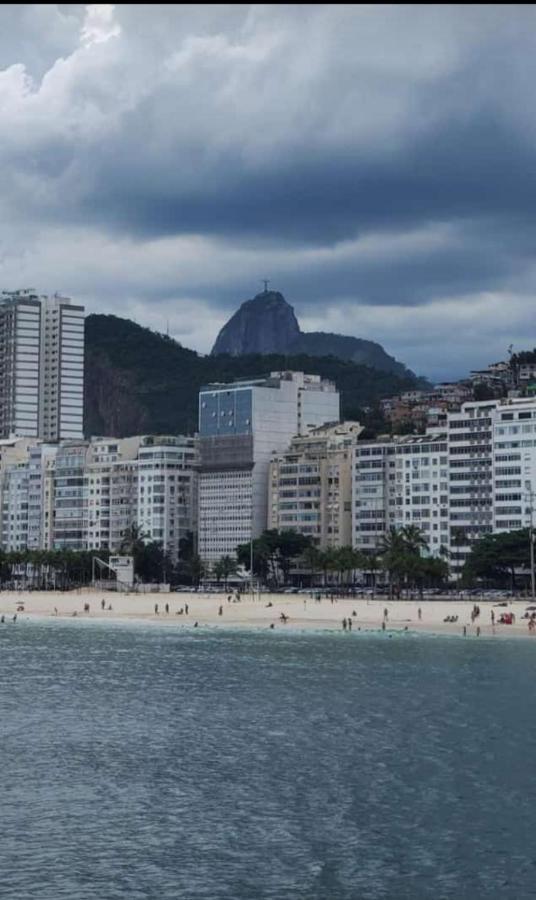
(267, 323)
(139, 381)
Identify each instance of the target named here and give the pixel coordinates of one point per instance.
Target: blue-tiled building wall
(225, 412)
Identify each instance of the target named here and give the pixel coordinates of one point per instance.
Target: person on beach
(465, 630)
(478, 630)
(349, 624)
(103, 603)
(109, 607)
(492, 617)
(419, 613)
(383, 625)
(15, 617)
(2, 619)
(195, 624)
(344, 624)
(229, 598)
(167, 608)
(185, 609)
(272, 625)
(156, 609)
(55, 610)
(220, 611)
(386, 613)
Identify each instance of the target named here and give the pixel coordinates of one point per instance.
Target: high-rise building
(241, 425)
(470, 445)
(20, 364)
(41, 366)
(167, 490)
(398, 482)
(61, 406)
(311, 485)
(85, 495)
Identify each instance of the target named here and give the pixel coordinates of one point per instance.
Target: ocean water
(162, 763)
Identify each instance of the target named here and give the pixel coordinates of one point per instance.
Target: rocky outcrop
(267, 324)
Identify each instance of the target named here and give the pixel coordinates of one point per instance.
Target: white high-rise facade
(41, 366)
(241, 425)
(61, 407)
(85, 495)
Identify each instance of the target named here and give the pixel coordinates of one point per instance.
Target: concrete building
(167, 489)
(80, 495)
(61, 406)
(241, 425)
(373, 493)
(20, 363)
(514, 464)
(310, 485)
(41, 366)
(470, 481)
(397, 482)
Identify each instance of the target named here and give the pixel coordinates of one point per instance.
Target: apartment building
(80, 495)
(61, 401)
(470, 477)
(310, 485)
(41, 366)
(397, 482)
(167, 490)
(41, 465)
(373, 493)
(514, 464)
(241, 425)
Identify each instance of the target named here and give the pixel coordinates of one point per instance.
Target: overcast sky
(377, 163)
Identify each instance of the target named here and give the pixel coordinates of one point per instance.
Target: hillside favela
(267, 452)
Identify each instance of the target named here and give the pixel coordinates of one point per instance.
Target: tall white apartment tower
(241, 425)
(61, 407)
(41, 366)
(20, 364)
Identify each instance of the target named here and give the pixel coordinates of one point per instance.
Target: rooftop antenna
(266, 282)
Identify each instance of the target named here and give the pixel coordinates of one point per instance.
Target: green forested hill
(138, 381)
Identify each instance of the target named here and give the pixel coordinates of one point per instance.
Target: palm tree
(218, 571)
(197, 569)
(229, 566)
(371, 562)
(414, 539)
(329, 562)
(312, 558)
(393, 551)
(133, 540)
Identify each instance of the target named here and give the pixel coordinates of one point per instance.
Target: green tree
(495, 557)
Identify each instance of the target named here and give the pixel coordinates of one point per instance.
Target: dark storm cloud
(364, 158)
(478, 170)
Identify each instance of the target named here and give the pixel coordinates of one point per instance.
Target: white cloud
(99, 25)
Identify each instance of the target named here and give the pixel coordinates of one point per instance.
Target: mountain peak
(264, 324)
(267, 324)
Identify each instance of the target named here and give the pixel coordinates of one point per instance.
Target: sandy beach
(303, 612)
